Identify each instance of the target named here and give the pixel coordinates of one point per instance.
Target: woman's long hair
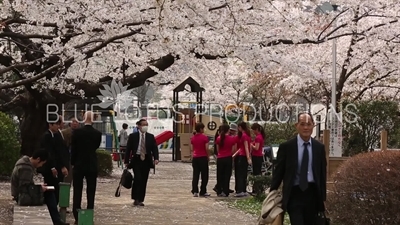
(224, 130)
(215, 139)
(259, 128)
(245, 129)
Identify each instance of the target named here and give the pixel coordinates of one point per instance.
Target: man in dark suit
(301, 165)
(144, 150)
(85, 141)
(54, 168)
(63, 155)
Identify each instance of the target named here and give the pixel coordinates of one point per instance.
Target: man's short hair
(72, 118)
(304, 113)
(124, 126)
(140, 122)
(42, 154)
(53, 119)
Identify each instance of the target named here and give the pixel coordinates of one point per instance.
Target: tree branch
(218, 7)
(206, 56)
(330, 24)
(370, 85)
(26, 36)
(19, 66)
(70, 26)
(145, 22)
(15, 102)
(289, 42)
(89, 53)
(134, 80)
(35, 78)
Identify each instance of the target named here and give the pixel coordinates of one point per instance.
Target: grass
(252, 206)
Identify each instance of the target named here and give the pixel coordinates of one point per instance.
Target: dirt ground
(168, 201)
(6, 204)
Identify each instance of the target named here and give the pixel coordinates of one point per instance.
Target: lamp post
(335, 133)
(325, 8)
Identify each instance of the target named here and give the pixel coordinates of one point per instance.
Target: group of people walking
(234, 149)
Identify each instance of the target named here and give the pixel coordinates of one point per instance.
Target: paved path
(168, 201)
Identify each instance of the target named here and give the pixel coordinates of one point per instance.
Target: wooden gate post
(384, 140)
(326, 142)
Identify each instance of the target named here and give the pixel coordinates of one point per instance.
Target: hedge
(366, 190)
(104, 161)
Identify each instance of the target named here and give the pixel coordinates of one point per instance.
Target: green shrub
(277, 133)
(105, 164)
(366, 190)
(9, 145)
(260, 184)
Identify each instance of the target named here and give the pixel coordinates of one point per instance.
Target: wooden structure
(384, 140)
(333, 163)
(185, 116)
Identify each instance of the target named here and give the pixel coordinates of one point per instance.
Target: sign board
(336, 137)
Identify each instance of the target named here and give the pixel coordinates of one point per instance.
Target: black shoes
(216, 190)
(137, 203)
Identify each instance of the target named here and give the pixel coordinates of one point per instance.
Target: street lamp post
(335, 134)
(334, 74)
(325, 8)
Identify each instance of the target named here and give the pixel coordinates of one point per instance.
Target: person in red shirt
(257, 148)
(199, 144)
(226, 145)
(242, 159)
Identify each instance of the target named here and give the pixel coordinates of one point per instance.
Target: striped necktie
(142, 148)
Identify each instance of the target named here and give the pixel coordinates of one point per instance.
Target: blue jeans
(51, 202)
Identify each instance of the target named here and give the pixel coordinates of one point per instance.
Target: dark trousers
(224, 173)
(50, 180)
(241, 166)
(50, 200)
(141, 170)
(122, 149)
(69, 178)
(302, 206)
(200, 168)
(257, 164)
(91, 182)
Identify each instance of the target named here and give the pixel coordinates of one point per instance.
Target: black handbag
(30, 195)
(125, 181)
(322, 219)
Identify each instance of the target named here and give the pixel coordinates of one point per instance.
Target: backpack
(30, 195)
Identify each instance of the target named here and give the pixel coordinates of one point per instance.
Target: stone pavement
(168, 201)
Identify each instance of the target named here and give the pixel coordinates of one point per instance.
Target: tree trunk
(32, 126)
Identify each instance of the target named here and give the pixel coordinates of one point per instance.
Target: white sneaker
(196, 195)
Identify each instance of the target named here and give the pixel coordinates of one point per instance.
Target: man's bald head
(88, 117)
